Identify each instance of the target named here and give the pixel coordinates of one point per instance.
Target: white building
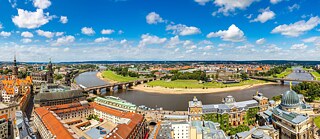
(3, 128)
(180, 130)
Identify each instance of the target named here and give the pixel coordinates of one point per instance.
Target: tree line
(195, 75)
(273, 71)
(310, 90)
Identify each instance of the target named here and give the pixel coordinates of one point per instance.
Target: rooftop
(222, 108)
(115, 100)
(292, 117)
(208, 129)
(53, 124)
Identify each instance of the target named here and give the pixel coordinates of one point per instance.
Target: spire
(195, 98)
(15, 60)
(15, 68)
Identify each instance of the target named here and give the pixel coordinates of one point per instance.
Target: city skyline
(159, 30)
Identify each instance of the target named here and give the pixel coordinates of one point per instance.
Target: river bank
(179, 101)
(99, 75)
(163, 90)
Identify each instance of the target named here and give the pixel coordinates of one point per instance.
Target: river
(299, 74)
(179, 102)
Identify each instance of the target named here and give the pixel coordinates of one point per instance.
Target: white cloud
(13, 3)
(173, 42)
(183, 30)
(63, 19)
(261, 41)
(120, 32)
(244, 47)
(41, 4)
(26, 40)
(192, 47)
(46, 34)
(294, 7)
(300, 46)
(102, 39)
(315, 40)
(202, 2)
(275, 1)
(124, 41)
(154, 18)
(27, 34)
(273, 49)
(208, 47)
(1, 27)
(5, 34)
(187, 43)
(227, 6)
(265, 15)
(64, 40)
(297, 28)
(87, 31)
(189, 51)
(147, 39)
(249, 16)
(233, 34)
(59, 34)
(31, 20)
(107, 31)
(66, 49)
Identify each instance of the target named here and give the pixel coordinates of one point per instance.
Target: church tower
(15, 69)
(50, 73)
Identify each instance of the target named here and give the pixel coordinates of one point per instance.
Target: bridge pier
(111, 89)
(98, 91)
(94, 91)
(124, 86)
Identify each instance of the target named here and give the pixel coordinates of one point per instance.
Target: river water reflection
(179, 102)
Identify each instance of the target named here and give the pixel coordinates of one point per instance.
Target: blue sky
(81, 30)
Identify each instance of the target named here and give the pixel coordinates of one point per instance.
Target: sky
(136, 30)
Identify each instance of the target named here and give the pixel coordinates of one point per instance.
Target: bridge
(281, 80)
(112, 87)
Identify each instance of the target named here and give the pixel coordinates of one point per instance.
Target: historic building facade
(262, 100)
(49, 120)
(195, 109)
(291, 117)
(229, 114)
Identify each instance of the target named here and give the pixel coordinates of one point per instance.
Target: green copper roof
(111, 100)
(290, 99)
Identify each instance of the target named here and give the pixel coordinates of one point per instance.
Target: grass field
(317, 121)
(316, 75)
(109, 75)
(196, 84)
(284, 74)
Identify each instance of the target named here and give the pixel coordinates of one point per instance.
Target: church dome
(290, 99)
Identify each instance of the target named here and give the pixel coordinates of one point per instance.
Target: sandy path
(163, 90)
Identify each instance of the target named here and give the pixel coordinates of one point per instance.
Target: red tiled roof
(53, 124)
(123, 130)
(64, 108)
(5, 116)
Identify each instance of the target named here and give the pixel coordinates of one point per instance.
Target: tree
(244, 76)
